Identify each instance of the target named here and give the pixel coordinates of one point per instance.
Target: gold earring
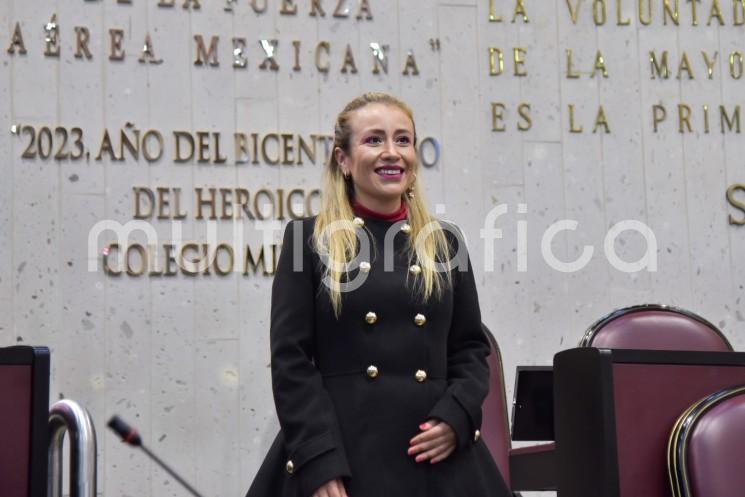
(410, 189)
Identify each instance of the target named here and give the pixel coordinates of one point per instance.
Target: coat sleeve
(305, 410)
(468, 347)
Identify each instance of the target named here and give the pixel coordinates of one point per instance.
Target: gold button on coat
(415, 269)
(372, 371)
(371, 317)
(358, 222)
(406, 228)
(365, 266)
(420, 375)
(420, 319)
(476, 435)
(290, 467)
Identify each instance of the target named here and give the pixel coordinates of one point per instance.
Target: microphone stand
(130, 436)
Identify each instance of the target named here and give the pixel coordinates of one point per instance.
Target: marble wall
(185, 358)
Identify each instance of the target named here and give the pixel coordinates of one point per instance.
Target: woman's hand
(435, 442)
(332, 488)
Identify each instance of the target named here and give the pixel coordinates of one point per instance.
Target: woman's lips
(390, 172)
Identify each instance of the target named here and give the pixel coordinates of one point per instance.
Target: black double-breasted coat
(351, 392)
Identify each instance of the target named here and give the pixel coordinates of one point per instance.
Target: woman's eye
(373, 140)
(403, 140)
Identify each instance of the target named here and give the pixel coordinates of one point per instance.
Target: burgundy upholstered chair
(707, 447)
(655, 327)
(495, 432)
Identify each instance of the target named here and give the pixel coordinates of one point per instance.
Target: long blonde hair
(338, 246)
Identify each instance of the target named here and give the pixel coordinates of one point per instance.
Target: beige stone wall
(185, 358)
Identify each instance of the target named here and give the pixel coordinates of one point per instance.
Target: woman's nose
(390, 149)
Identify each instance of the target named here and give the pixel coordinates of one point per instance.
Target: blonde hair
(339, 246)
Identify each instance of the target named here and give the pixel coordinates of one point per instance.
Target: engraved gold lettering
(112, 247)
(288, 149)
(309, 150)
(737, 204)
(205, 55)
(410, 67)
(16, 41)
(599, 12)
(227, 203)
(520, 11)
(364, 8)
(684, 66)
(710, 63)
(116, 36)
(492, 16)
(261, 209)
(143, 193)
(51, 40)
(572, 127)
(219, 159)
(316, 9)
(727, 122)
(684, 118)
(601, 120)
(738, 12)
(620, 21)
(142, 255)
(497, 114)
(270, 160)
(671, 12)
(349, 61)
(178, 136)
(659, 114)
(107, 147)
(177, 214)
(519, 57)
(296, 47)
(660, 69)
(241, 148)
(82, 36)
(570, 65)
(573, 10)
(736, 65)
(205, 202)
(146, 139)
(715, 11)
(163, 202)
(341, 11)
(645, 20)
(523, 111)
(288, 8)
(496, 61)
(325, 47)
(599, 65)
(259, 9)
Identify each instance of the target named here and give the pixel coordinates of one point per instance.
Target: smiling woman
(378, 386)
(381, 156)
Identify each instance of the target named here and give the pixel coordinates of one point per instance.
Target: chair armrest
(533, 468)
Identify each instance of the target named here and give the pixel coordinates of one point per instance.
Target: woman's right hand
(332, 488)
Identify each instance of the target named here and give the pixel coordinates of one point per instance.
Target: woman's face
(381, 156)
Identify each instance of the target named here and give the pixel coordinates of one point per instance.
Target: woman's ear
(341, 160)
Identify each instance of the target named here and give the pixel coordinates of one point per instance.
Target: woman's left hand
(435, 442)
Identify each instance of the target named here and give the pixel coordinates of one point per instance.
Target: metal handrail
(68, 416)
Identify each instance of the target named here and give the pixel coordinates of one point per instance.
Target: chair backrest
(707, 447)
(24, 408)
(655, 327)
(495, 430)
